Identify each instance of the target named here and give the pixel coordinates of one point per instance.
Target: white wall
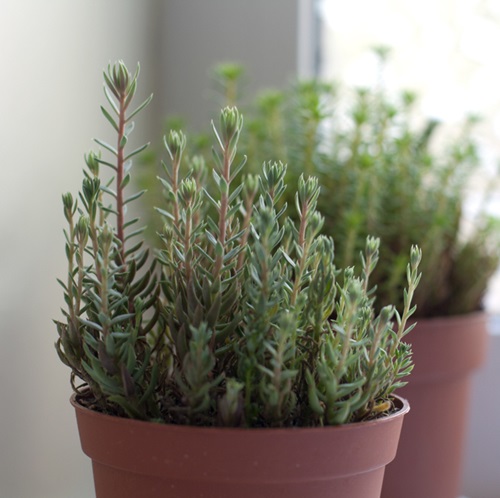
(52, 56)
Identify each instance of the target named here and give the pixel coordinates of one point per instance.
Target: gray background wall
(197, 34)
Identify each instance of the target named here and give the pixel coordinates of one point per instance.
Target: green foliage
(381, 175)
(241, 318)
(111, 292)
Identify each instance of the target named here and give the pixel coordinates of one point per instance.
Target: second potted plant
(239, 361)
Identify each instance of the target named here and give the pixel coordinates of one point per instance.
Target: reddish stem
(303, 257)
(119, 178)
(246, 228)
(224, 206)
(175, 190)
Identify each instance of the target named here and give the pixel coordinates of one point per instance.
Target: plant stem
(119, 177)
(303, 257)
(187, 246)
(246, 227)
(224, 206)
(71, 257)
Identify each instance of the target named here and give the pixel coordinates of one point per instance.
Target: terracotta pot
(446, 351)
(133, 459)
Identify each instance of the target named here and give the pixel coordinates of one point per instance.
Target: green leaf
(135, 196)
(106, 163)
(139, 109)
(121, 318)
(112, 103)
(90, 324)
(123, 141)
(135, 233)
(106, 146)
(130, 93)
(136, 151)
(109, 118)
(109, 191)
(110, 85)
(125, 181)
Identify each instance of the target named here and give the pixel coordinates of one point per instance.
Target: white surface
(481, 476)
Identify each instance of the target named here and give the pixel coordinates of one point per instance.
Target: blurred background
(52, 56)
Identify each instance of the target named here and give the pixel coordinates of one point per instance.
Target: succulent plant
(382, 175)
(241, 318)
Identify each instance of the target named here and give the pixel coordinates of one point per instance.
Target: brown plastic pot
(446, 351)
(134, 459)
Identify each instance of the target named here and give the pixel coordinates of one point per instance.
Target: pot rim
(477, 315)
(447, 347)
(404, 408)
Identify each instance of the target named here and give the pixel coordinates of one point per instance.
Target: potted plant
(237, 361)
(383, 175)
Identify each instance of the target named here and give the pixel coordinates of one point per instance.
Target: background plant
(241, 318)
(383, 175)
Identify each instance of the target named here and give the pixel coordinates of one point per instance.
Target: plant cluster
(241, 318)
(381, 175)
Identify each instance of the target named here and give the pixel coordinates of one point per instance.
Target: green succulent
(241, 317)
